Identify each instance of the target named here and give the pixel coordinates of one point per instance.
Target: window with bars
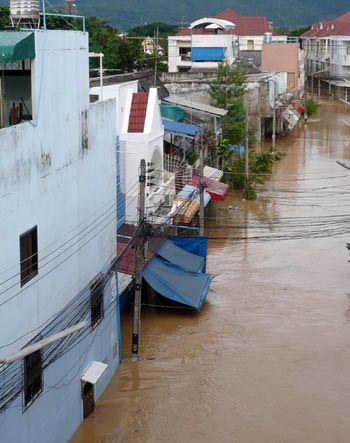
(96, 300)
(33, 377)
(28, 243)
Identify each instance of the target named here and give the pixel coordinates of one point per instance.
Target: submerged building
(59, 339)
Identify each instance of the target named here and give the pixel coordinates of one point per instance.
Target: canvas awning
(15, 46)
(217, 190)
(207, 54)
(175, 278)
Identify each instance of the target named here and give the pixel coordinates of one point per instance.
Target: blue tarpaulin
(178, 256)
(179, 128)
(207, 54)
(196, 245)
(170, 273)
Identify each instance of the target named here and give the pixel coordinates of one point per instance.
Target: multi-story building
(287, 58)
(207, 42)
(224, 37)
(59, 341)
(327, 54)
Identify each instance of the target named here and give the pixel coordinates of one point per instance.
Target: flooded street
(267, 359)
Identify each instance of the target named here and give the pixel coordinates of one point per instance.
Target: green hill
(133, 13)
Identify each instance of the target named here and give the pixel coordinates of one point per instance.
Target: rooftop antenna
(24, 13)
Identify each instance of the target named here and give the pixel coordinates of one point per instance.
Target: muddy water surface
(268, 358)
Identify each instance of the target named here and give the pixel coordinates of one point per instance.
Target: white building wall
(147, 145)
(118, 92)
(57, 173)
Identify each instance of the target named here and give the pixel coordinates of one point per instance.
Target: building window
(250, 45)
(33, 377)
(29, 255)
(96, 300)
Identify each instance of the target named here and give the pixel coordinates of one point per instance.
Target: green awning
(16, 45)
(172, 112)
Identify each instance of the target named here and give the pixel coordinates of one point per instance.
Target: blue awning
(187, 288)
(207, 54)
(176, 274)
(180, 128)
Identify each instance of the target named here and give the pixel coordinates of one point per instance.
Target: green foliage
(4, 17)
(126, 15)
(227, 92)
(311, 107)
(192, 158)
(260, 170)
(292, 32)
(149, 30)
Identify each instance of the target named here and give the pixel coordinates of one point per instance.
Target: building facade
(247, 33)
(287, 58)
(59, 321)
(327, 56)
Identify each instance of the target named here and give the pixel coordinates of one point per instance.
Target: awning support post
(140, 246)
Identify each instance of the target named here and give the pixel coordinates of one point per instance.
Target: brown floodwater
(268, 358)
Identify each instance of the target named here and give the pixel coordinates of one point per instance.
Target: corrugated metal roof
(207, 109)
(16, 45)
(180, 128)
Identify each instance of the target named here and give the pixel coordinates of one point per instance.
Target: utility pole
(156, 63)
(140, 246)
(274, 117)
(246, 164)
(201, 188)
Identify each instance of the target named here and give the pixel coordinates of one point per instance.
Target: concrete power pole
(201, 188)
(246, 164)
(274, 117)
(140, 246)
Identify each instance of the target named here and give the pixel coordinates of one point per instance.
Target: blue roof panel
(180, 128)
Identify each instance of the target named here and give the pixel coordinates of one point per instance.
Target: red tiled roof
(126, 252)
(245, 25)
(138, 112)
(338, 26)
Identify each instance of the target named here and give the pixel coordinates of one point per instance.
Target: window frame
(37, 384)
(29, 264)
(97, 301)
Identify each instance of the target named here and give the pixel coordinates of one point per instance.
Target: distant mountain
(132, 13)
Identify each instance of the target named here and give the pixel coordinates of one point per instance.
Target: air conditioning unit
(168, 200)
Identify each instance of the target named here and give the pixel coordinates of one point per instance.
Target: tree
(260, 170)
(4, 17)
(227, 92)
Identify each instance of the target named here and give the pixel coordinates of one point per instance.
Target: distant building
(149, 46)
(70, 7)
(327, 55)
(221, 38)
(287, 58)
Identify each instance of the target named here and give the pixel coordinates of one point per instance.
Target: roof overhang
(212, 22)
(16, 46)
(94, 372)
